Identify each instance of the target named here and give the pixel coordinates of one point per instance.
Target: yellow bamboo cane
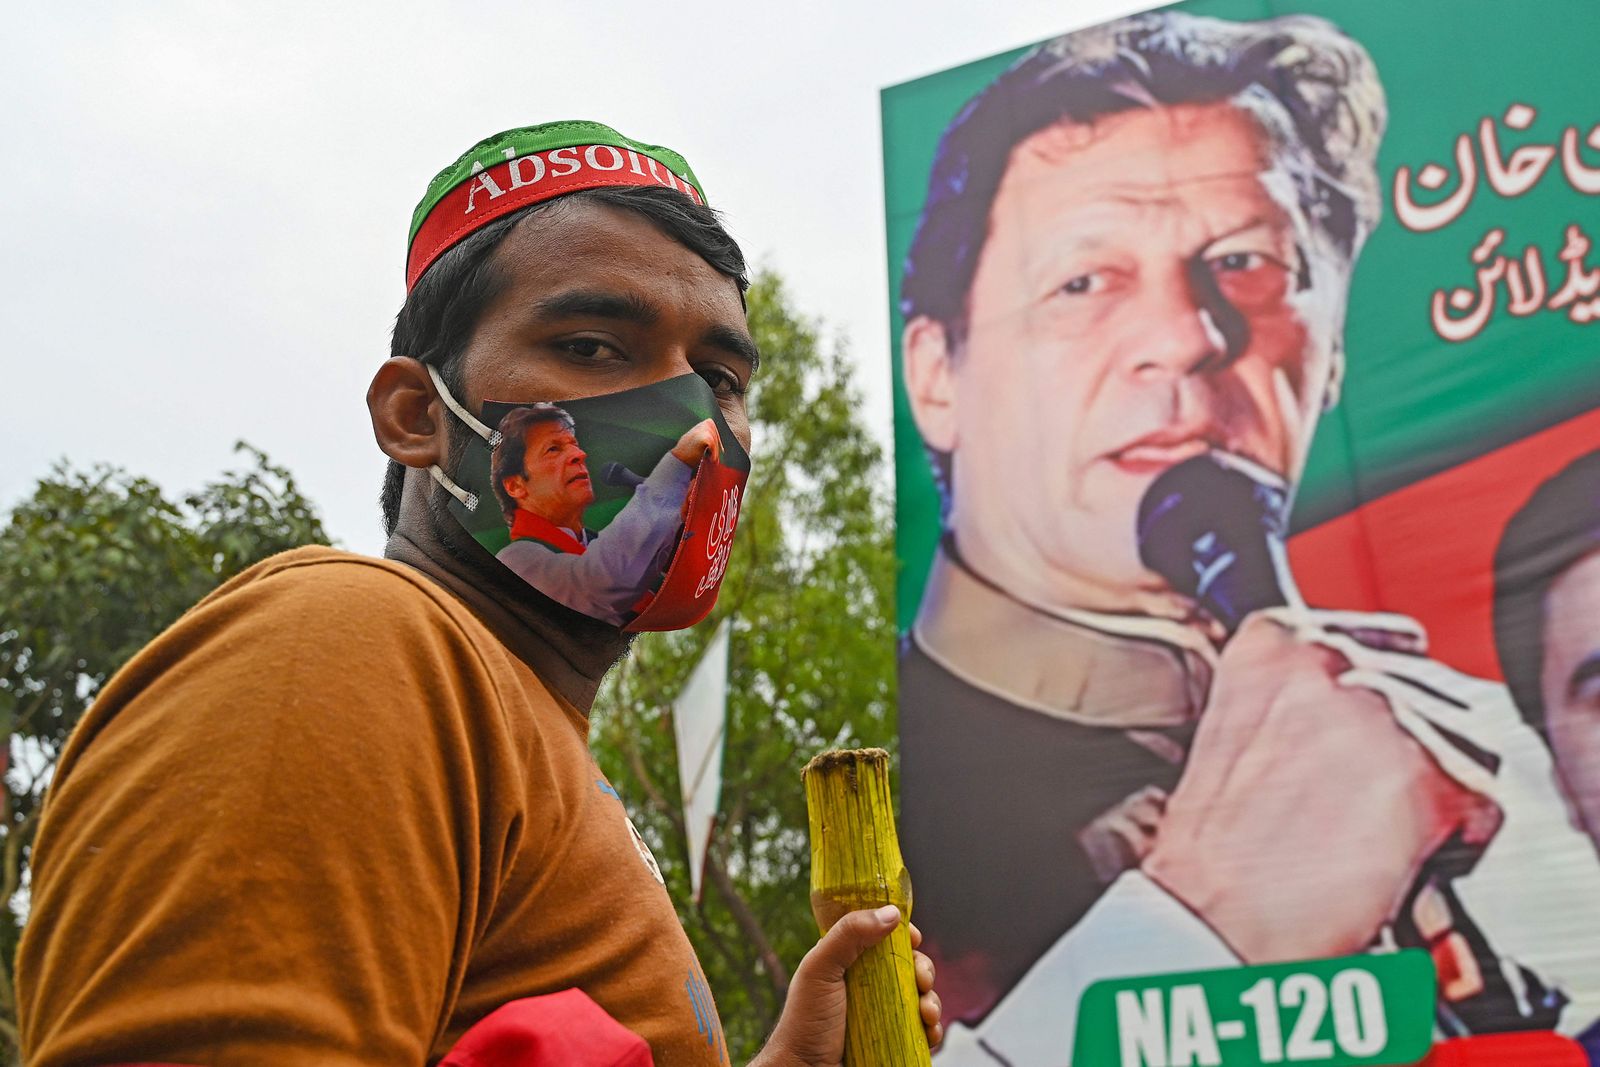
(855, 863)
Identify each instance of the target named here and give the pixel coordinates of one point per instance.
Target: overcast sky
(205, 205)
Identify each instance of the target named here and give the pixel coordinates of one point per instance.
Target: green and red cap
(511, 170)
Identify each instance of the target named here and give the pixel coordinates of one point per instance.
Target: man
(1547, 624)
(1135, 251)
(1547, 632)
(543, 484)
(542, 480)
(344, 809)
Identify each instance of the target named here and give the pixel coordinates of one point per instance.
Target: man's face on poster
(1570, 683)
(555, 479)
(1139, 300)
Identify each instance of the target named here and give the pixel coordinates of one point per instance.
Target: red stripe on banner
(1427, 550)
(1534, 1049)
(516, 183)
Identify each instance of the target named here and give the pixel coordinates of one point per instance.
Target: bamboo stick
(855, 863)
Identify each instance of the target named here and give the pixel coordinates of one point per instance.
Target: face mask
(585, 501)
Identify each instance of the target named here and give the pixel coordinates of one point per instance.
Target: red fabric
(564, 1029)
(1428, 550)
(689, 590)
(1538, 1048)
(505, 187)
(526, 526)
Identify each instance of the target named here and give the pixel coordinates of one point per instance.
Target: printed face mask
(621, 506)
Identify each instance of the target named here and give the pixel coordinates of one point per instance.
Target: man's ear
(516, 487)
(407, 414)
(930, 382)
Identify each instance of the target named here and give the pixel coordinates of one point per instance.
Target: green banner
(1247, 444)
(1336, 1013)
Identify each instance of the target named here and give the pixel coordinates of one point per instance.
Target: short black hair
(1314, 91)
(442, 310)
(1304, 80)
(1557, 527)
(510, 455)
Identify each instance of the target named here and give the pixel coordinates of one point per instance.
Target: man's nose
(1185, 327)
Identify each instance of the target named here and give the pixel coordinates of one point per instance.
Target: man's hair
(1314, 92)
(510, 454)
(442, 310)
(1557, 527)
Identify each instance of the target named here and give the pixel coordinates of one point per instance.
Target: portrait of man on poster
(1135, 253)
(1547, 625)
(543, 484)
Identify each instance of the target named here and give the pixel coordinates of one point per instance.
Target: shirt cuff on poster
(1135, 928)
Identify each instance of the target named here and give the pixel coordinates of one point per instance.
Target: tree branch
(715, 872)
(760, 997)
(22, 723)
(748, 924)
(15, 840)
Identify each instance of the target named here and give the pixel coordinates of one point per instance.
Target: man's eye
(1584, 687)
(723, 382)
(590, 348)
(1084, 284)
(1250, 281)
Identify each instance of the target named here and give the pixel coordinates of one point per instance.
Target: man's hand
(1305, 811)
(697, 441)
(810, 1033)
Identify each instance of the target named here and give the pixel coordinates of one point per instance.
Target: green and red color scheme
(511, 170)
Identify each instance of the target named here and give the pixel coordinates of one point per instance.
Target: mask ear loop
(468, 500)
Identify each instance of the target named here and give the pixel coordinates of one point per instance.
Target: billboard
(1247, 415)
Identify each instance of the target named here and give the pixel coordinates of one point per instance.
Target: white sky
(204, 205)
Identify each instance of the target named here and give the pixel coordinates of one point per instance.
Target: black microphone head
(617, 474)
(1213, 527)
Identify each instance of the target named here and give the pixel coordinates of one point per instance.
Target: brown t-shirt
(327, 818)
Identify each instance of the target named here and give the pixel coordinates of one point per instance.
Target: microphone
(617, 474)
(1214, 528)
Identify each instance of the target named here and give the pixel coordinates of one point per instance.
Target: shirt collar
(1127, 671)
(525, 525)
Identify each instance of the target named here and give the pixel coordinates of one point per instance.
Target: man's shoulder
(323, 636)
(339, 583)
(319, 605)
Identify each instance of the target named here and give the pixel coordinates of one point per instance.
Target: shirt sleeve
(1135, 928)
(621, 561)
(263, 844)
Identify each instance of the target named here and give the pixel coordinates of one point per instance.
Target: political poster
(1247, 417)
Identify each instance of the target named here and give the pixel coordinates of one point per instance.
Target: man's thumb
(852, 935)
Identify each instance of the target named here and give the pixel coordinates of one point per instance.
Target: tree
(93, 566)
(811, 666)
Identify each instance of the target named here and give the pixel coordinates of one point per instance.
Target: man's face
(1570, 683)
(555, 475)
(1136, 303)
(598, 300)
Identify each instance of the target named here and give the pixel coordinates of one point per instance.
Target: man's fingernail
(887, 914)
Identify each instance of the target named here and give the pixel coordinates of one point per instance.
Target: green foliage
(92, 567)
(811, 666)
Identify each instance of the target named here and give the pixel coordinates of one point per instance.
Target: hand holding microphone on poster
(1448, 778)
(1247, 837)
(1340, 786)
